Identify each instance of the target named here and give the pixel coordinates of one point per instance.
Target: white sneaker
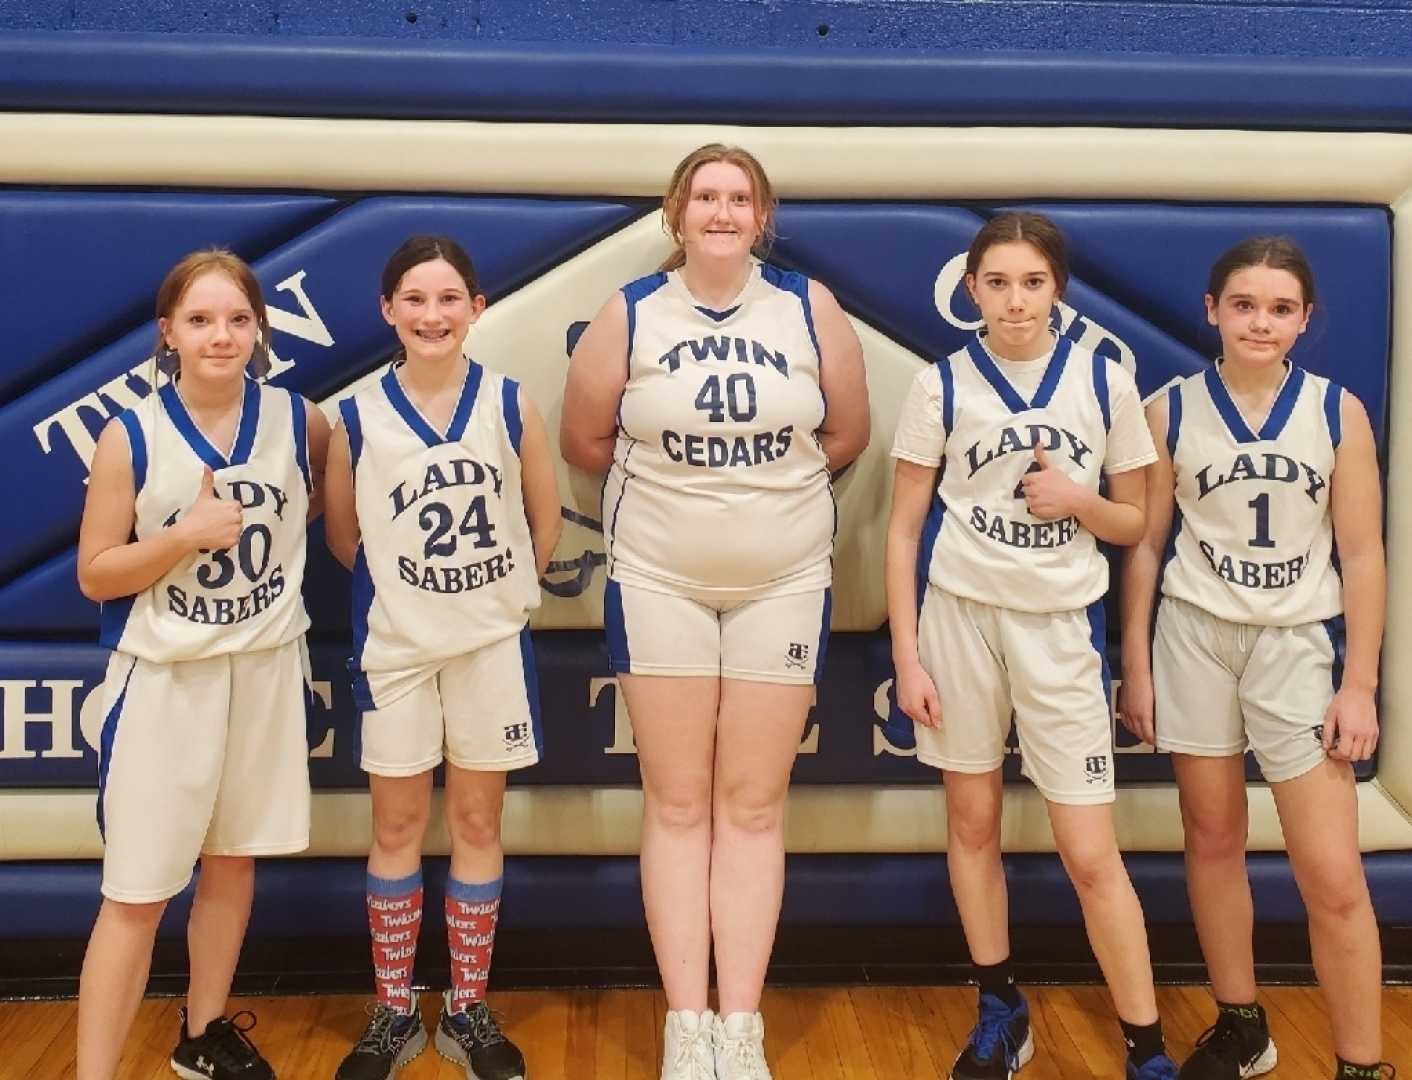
(687, 1046)
(740, 1047)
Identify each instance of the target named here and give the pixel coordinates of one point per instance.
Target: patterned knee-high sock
(471, 912)
(394, 917)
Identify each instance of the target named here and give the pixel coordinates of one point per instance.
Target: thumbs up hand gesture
(210, 523)
(1049, 493)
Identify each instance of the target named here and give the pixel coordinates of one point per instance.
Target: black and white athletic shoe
(474, 1039)
(1236, 1047)
(390, 1040)
(221, 1052)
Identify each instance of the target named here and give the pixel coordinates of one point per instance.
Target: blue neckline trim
(196, 439)
(418, 423)
(1280, 411)
(1002, 386)
(717, 316)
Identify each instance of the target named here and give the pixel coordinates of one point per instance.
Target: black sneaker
(1235, 1047)
(1000, 1043)
(390, 1040)
(474, 1039)
(221, 1052)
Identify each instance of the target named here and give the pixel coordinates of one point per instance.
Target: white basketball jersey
(980, 540)
(718, 481)
(445, 565)
(1252, 538)
(241, 598)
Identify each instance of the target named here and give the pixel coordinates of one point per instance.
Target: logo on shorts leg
(1096, 768)
(796, 656)
(517, 736)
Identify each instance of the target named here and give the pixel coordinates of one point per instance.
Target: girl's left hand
(1049, 493)
(1351, 726)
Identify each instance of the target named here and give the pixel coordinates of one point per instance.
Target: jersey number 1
(1261, 505)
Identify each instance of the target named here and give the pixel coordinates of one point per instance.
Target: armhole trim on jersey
(1333, 412)
(948, 397)
(510, 409)
(633, 292)
(353, 425)
(1100, 390)
(1174, 420)
(791, 281)
(300, 420)
(137, 448)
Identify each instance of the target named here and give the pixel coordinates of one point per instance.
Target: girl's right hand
(916, 695)
(1137, 706)
(211, 523)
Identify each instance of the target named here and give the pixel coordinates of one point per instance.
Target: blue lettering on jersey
(1255, 575)
(456, 579)
(722, 349)
(1025, 438)
(725, 452)
(1024, 534)
(1273, 467)
(456, 473)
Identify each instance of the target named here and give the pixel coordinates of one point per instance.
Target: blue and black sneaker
(1160, 1067)
(1000, 1043)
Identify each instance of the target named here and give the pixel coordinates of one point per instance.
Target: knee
(397, 828)
(475, 827)
(972, 832)
(1092, 867)
(751, 808)
(136, 917)
(1214, 839)
(683, 809)
(1336, 892)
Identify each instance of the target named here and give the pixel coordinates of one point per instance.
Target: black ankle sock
(1144, 1041)
(1250, 1015)
(1347, 1070)
(997, 980)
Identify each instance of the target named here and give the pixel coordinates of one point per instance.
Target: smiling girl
(193, 540)
(996, 514)
(443, 503)
(1263, 468)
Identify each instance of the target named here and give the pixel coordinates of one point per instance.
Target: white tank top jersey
(445, 565)
(1252, 537)
(965, 415)
(245, 597)
(718, 482)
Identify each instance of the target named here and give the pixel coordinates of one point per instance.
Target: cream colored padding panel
(605, 821)
(524, 336)
(636, 159)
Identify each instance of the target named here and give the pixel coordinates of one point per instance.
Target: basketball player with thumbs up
(995, 587)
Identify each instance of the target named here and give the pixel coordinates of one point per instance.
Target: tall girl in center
(717, 394)
(995, 587)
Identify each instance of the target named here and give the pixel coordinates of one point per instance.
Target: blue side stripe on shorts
(615, 626)
(823, 648)
(105, 747)
(531, 673)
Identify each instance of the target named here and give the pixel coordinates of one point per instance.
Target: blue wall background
(1342, 28)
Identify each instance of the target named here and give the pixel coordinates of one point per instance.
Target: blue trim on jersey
(196, 439)
(1337, 632)
(301, 437)
(474, 892)
(717, 316)
(363, 590)
(417, 423)
(531, 672)
(1174, 421)
(1100, 389)
(948, 397)
(931, 529)
(1333, 412)
(792, 281)
(615, 629)
(821, 651)
(470, 390)
(394, 887)
(353, 426)
(635, 291)
(105, 746)
(1098, 638)
(1280, 411)
(1053, 371)
(510, 409)
(137, 447)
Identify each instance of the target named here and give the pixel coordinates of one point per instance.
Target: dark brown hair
(674, 202)
(193, 266)
(1021, 226)
(1276, 252)
(416, 250)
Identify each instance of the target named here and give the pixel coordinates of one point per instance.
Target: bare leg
(1216, 819)
(757, 738)
(1319, 814)
(1112, 914)
(973, 809)
(401, 808)
(215, 933)
(110, 988)
(474, 801)
(674, 724)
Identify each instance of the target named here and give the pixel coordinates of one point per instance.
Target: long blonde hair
(678, 194)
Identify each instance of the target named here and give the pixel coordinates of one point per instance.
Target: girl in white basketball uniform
(1263, 468)
(193, 539)
(442, 501)
(1002, 449)
(717, 394)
